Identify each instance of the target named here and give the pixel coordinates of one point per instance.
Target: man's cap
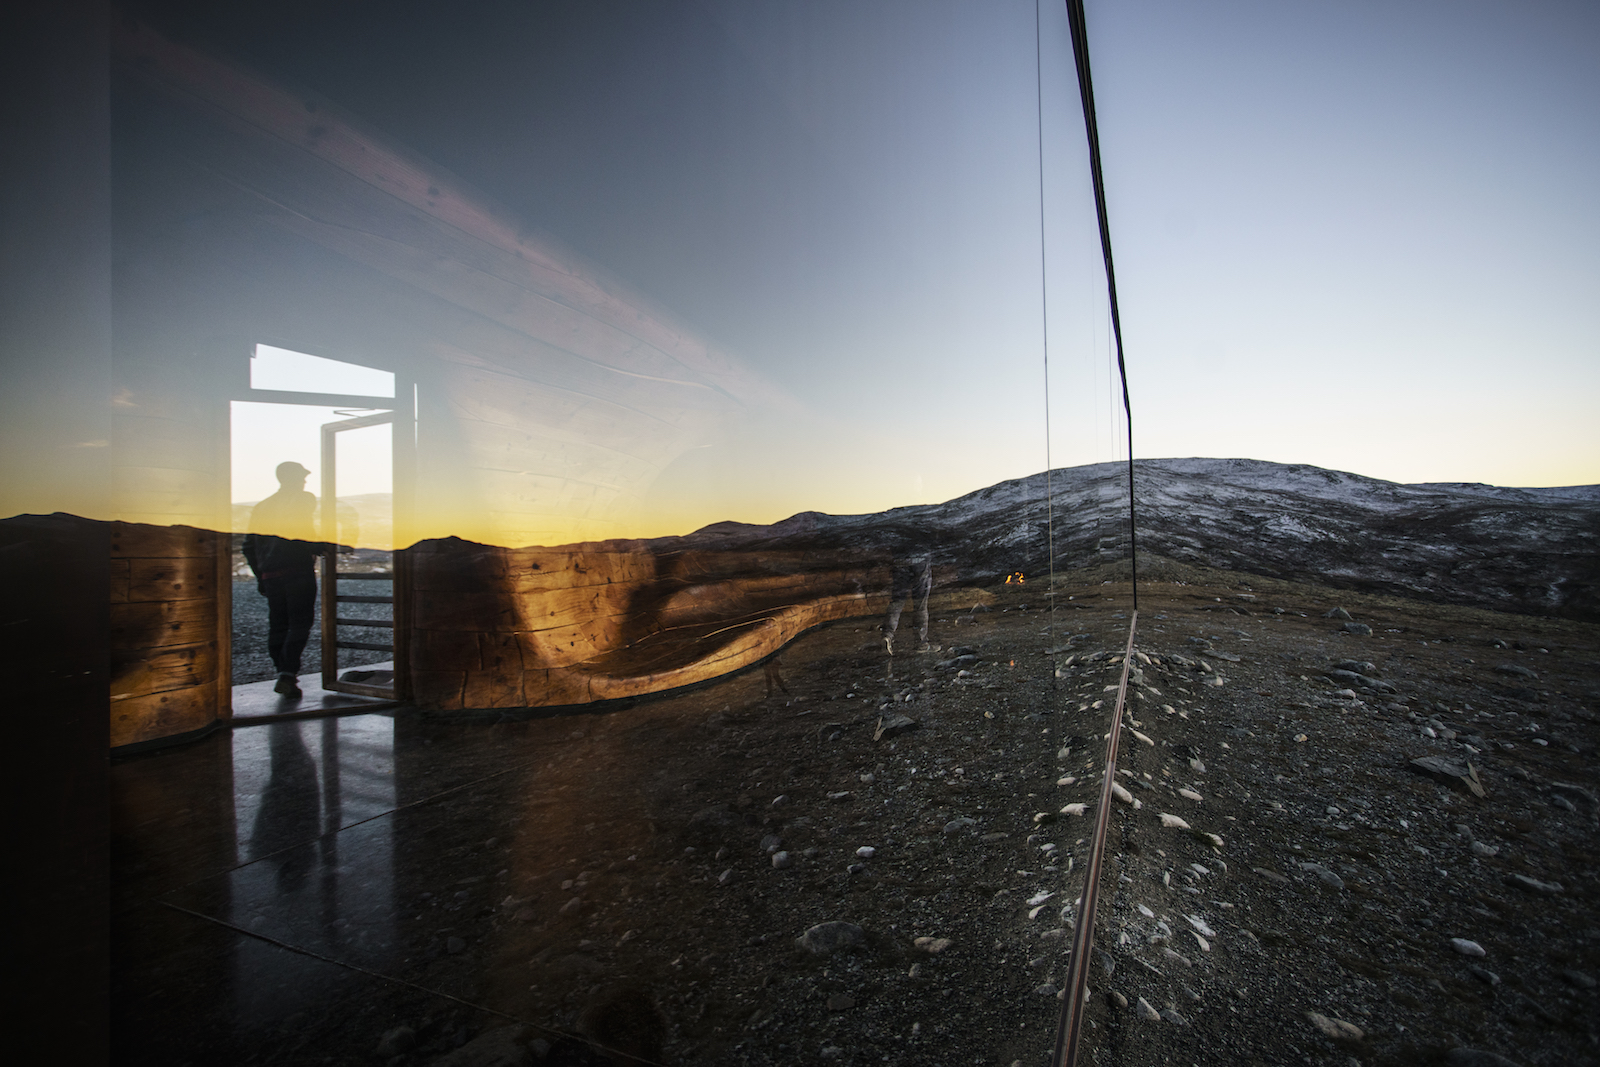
(291, 469)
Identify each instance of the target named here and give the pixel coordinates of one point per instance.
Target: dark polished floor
(256, 892)
(291, 892)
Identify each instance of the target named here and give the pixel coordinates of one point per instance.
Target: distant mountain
(1535, 551)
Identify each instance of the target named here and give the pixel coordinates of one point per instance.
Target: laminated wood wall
(170, 592)
(539, 627)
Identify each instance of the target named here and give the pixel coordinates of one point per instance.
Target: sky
(1361, 235)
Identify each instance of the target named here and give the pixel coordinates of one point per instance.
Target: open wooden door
(363, 598)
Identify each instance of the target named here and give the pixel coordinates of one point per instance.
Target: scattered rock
(1533, 885)
(1516, 670)
(396, 1042)
(1471, 1057)
(894, 726)
(1271, 876)
(1487, 977)
(1462, 778)
(1336, 613)
(1148, 1013)
(933, 945)
(1173, 822)
(1325, 875)
(1354, 678)
(1579, 979)
(1576, 792)
(826, 938)
(1121, 793)
(1337, 1029)
(1467, 948)
(1359, 629)
(781, 861)
(500, 1047)
(866, 852)
(1074, 809)
(1171, 1015)
(960, 822)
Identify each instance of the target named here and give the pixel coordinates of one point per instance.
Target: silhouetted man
(281, 551)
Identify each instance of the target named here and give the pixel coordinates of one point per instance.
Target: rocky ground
(727, 876)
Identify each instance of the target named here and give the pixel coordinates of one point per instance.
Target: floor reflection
(303, 882)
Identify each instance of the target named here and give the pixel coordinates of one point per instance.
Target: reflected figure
(773, 677)
(281, 553)
(291, 807)
(913, 580)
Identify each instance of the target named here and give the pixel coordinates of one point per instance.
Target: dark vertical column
(55, 363)
(55, 619)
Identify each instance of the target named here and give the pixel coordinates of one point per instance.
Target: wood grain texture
(169, 630)
(164, 622)
(157, 715)
(538, 627)
(141, 671)
(160, 580)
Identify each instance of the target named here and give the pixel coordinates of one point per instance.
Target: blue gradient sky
(1364, 236)
(1360, 235)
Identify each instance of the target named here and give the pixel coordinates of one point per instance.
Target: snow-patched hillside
(1529, 550)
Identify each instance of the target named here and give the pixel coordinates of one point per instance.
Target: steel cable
(1069, 1030)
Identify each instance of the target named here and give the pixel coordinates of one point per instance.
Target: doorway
(350, 427)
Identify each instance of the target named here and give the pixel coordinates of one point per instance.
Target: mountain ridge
(1529, 550)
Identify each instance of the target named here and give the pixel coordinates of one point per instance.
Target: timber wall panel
(167, 659)
(144, 718)
(536, 627)
(183, 578)
(174, 621)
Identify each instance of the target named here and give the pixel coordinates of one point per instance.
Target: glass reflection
(298, 785)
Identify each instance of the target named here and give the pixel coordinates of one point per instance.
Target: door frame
(330, 564)
(403, 406)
